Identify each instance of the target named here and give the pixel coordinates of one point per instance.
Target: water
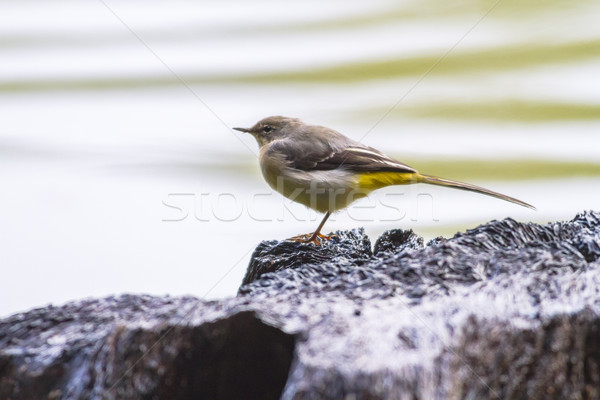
(103, 135)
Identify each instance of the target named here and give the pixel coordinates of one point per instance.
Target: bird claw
(311, 238)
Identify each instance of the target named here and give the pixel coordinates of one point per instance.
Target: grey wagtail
(326, 171)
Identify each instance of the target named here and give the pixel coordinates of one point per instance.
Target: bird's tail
(434, 180)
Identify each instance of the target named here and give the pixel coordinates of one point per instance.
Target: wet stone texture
(507, 310)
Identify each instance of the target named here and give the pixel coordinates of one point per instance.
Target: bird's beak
(242, 130)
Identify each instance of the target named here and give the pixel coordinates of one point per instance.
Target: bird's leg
(314, 237)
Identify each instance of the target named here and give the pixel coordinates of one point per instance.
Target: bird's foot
(311, 238)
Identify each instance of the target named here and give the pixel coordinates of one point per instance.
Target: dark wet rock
(507, 310)
(272, 256)
(396, 240)
(143, 347)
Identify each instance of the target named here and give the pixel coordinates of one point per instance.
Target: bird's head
(272, 128)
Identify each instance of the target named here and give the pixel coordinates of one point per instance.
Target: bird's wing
(362, 159)
(356, 158)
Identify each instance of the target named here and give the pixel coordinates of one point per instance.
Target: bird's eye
(267, 128)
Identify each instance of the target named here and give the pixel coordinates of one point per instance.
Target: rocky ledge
(507, 310)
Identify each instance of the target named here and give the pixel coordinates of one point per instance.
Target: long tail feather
(434, 180)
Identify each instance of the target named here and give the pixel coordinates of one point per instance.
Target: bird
(326, 171)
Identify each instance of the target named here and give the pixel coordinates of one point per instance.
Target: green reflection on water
(501, 110)
(486, 170)
(458, 62)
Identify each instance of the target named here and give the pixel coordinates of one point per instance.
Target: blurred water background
(120, 174)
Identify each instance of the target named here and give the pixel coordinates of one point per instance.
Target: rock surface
(507, 310)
